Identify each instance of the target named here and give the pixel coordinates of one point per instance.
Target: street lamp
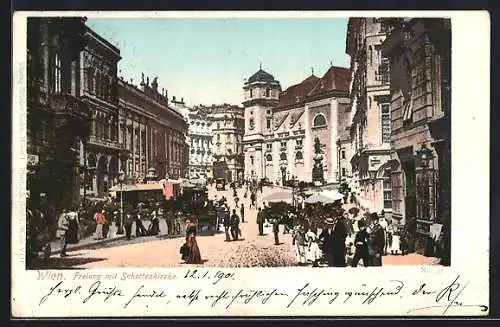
(425, 155)
(121, 178)
(373, 179)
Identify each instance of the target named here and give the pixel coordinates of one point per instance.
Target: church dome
(261, 76)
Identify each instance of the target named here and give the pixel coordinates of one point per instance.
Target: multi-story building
(99, 90)
(419, 52)
(199, 138)
(153, 133)
(57, 120)
(370, 128)
(281, 126)
(228, 126)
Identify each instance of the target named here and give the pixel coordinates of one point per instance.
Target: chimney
(173, 99)
(147, 81)
(182, 100)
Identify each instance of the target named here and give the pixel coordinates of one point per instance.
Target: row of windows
(267, 93)
(230, 137)
(318, 121)
(283, 144)
(283, 156)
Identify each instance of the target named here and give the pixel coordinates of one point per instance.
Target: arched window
(283, 156)
(251, 160)
(268, 92)
(251, 123)
(370, 55)
(299, 156)
(319, 120)
(269, 157)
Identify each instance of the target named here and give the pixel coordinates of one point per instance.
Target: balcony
(283, 148)
(71, 114)
(298, 146)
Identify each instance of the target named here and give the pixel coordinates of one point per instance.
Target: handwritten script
(216, 291)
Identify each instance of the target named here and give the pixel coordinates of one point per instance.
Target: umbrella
(319, 198)
(279, 197)
(333, 194)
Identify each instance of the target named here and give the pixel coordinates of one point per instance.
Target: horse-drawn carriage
(194, 202)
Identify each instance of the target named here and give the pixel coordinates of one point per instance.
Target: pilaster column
(133, 147)
(140, 148)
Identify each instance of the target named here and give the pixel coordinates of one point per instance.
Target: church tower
(261, 95)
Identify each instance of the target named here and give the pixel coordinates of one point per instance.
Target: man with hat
(376, 241)
(333, 238)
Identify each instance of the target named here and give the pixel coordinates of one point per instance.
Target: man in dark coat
(376, 241)
(227, 224)
(276, 231)
(333, 237)
(235, 225)
(129, 220)
(242, 213)
(361, 243)
(260, 222)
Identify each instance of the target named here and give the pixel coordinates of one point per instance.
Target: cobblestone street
(250, 251)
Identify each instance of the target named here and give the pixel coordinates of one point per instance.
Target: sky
(205, 60)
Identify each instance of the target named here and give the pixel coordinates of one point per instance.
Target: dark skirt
(72, 233)
(194, 255)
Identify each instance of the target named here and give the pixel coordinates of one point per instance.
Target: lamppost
(294, 186)
(373, 179)
(121, 178)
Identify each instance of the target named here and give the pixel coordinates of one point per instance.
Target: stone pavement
(90, 242)
(250, 251)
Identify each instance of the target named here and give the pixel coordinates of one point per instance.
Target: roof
(261, 76)
(297, 93)
(335, 79)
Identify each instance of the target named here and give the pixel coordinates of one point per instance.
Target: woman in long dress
(313, 251)
(194, 255)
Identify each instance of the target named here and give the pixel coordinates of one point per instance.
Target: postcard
(250, 164)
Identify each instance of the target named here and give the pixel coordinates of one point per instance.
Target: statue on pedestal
(317, 172)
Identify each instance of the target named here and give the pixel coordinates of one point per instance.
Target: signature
(447, 297)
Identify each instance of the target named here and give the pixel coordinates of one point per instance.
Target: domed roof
(261, 76)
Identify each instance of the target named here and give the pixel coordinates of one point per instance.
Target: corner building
(100, 92)
(370, 129)
(280, 127)
(419, 51)
(227, 129)
(153, 132)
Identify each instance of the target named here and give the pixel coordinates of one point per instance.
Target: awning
(149, 187)
(123, 188)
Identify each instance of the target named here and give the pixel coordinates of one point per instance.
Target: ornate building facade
(199, 139)
(228, 126)
(57, 120)
(419, 51)
(370, 129)
(99, 155)
(153, 133)
(281, 126)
